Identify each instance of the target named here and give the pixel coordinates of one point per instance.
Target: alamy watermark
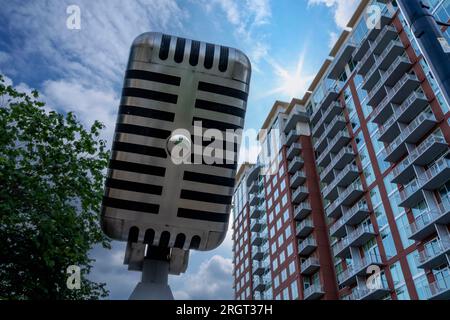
(74, 277)
(215, 147)
(73, 21)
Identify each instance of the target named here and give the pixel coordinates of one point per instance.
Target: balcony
(255, 198)
(253, 187)
(256, 211)
(361, 235)
(389, 130)
(411, 194)
(333, 110)
(298, 114)
(412, 134)
(294, 150)
(439, 290)
(389, 78)
(340, 160)
(346, 198)
(256, 225)
(261, 283)
(352, 216)
(338, 124)
(342, 249)
(431, 179)
(423, 226)
(295, 164)
(253, 174)
(383, 62)
(420, 156)
(306, 246)
(341, 59)
(342, 179)
(411, 107)
(437, 175)
(334, 146)
(356, 238)
(397, 95)
(259, 252)
(364, 293)
(297, 179)
(304, 228)
(310, 266)
(372, 35)
(405, 113)
(292, 137)
(313, 292)
(384, 40)
(331, 94)
(302, 211)
(259, 268)
(348, 276)
(300, 194)
(258, 238)
(434, 255)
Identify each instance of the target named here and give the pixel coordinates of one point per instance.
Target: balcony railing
(365, 293)
(298, 179)
(295, 164)
(314, 291)
(337, 124)
(356, 238)
(338, 180)
(411, 134)
(292, 137)
(299, 194)
(376, 43)
(434, 255)
(380, 114)
(304, 228)
(423, 226)
(348, 276)
(332, 145)
(302, 211)
(355, 186)
(353, 216)
(334, 109)
(306, 246)
(336, 159)
(440, 289)
(431, 179)
(310, 266)
(294, 150)
(431, 146)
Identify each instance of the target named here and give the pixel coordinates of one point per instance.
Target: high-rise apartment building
(359, 179)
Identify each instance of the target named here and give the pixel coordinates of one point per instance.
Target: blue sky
(82, 71)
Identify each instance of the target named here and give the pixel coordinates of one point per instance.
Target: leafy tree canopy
(51, 186)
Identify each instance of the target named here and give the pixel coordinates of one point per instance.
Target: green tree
(51, 185)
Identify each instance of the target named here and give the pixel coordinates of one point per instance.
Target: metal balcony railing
(417, 153)
(434, 254)
(336, 159)
(332, 144)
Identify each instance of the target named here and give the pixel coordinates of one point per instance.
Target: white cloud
(210, 282)
(333, 39)
(246, 17)
(343, 9)
(96, 54)
(87, 103)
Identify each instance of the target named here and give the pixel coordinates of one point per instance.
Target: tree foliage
(51, 185)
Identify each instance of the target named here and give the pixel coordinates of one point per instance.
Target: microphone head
(174, 156)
